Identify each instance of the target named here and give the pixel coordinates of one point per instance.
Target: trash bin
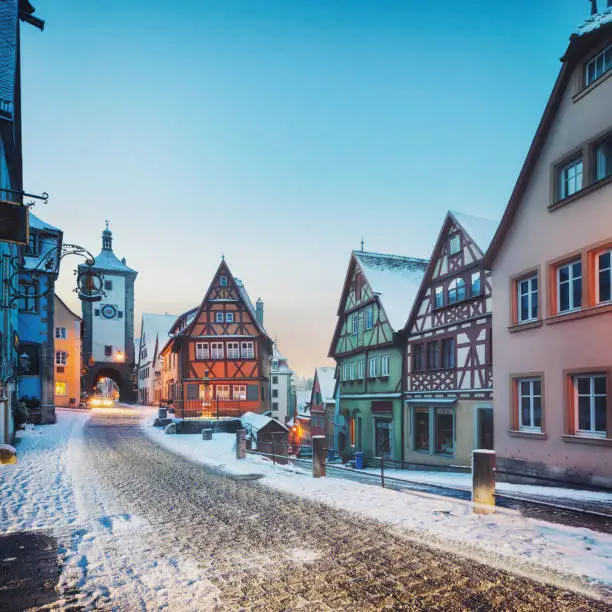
(359, 460)
(162, 413)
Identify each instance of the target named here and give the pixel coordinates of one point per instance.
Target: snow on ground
(504, 538)
(464, 481)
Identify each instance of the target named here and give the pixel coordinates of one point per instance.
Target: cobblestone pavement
(265, 550)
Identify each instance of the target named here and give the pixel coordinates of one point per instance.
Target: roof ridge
(376, 254)
(459, 212)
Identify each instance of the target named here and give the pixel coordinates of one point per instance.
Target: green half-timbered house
(376, 299)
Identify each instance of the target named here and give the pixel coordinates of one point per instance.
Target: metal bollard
(382, 472)
(318, 456)
(483, 480)
(207, 434)
(240, 443)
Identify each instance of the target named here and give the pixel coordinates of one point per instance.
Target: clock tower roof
(107, 260)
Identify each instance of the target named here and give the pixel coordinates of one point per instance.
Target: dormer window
(219, 317)
(454, 244)
(33, 246)
(223, 281)
(598, 66)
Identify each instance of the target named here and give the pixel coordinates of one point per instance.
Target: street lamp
(120, 357)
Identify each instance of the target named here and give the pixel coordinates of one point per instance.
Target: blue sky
(279, 132)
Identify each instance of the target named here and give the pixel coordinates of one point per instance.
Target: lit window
(219, 317)
(439, 297)
(60, 333)
(223, 281)
(569, 286)
(222, 391)
(527, 289)
(233, 350)
(570, 179)
(384, 365)
(239, 392)
(229, 317)
(590, 405)
(529, 404)
(604, 276)
(369, 318)
(598, 66)
(60, 388)
(61, 357)
(603, 159)
(202, 350)
(475, 290)
(454, 244)
(373, 366)
(216, 350)
(456, 290)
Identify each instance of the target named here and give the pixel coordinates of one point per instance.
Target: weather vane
(362, 243)
(106, 221)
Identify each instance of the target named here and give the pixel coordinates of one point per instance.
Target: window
(369, 317)
(274, 392)
(60, 333)
(529, 404)
(239, 392)
(216, 350)
(421, 429)
(32, 248)
(193, 392)
(454, 244)
(603, 159)
(219, 317)
(598, 66)
(29, 291)
(569, 286)
(248, 350)
(417, 357)
(275, 380)
(355, 323)
(60, 388)
(233, 350)
(448, 353)
(275, 364)
(222, 391)
(352, 371)
(444, 430)
(439, 297)
(384, 365)
(108, 351)
(274, 406)
(108, 285)
(345, 371)
(527, 289)
(570, 178)
(361, 369)
(61, 357)
(434, 430)
(202, 350)
(96, 312)
(475, 289)
(229, 317)
(223, 281)
(373, 367)
(60, 369)
(433, 355)
(383, 435)
(456, 290)
(604, 276)
(590, 404)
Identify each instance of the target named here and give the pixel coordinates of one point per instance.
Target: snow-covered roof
(254, 422)
(595, 22)
(327, 382)
(396, 279)
(154, 326)
(107, 260)
(283, 366)
(480, 229)
(302, 399)
(247, 300)
(39, 224)
(49, 243)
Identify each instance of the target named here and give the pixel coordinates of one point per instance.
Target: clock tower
(108, 334)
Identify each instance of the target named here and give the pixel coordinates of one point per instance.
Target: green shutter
(193, 392)
(252, 392)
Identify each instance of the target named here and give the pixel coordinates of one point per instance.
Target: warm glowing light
(119, 356)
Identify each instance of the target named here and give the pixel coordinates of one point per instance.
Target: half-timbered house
(323, 404)
(218, 358)
(376, 299)
(448, 349)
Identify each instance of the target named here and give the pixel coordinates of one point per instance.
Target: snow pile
(505, 539)
(595, 22)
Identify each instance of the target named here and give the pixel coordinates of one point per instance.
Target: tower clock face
(108, 311)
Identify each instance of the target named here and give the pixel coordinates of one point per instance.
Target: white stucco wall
(109, 331)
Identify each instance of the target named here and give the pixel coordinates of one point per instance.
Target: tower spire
(107, 239)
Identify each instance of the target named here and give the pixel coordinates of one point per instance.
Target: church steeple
(107, 239)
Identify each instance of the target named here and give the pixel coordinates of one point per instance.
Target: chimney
(259, 312)
(594, 6)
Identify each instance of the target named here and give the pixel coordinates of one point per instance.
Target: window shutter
(252, 392)
(193, 392)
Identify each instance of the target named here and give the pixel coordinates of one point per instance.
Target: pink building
(551, 262)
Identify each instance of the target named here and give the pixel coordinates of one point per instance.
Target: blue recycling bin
(359, 460)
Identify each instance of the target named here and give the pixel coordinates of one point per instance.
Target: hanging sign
(14, 226)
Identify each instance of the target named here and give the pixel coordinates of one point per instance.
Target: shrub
(21, 412)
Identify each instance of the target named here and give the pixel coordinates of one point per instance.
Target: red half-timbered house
(218, 359)
(448, 387)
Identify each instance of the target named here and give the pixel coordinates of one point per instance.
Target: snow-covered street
(139, 527)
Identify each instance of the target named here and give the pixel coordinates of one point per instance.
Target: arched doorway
(108, 381)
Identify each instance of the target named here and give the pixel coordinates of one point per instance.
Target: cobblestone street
(264, 550)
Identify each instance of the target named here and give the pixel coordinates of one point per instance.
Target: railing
(189, 409)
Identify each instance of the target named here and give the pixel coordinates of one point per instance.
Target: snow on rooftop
(396, 278)
(595, 22)
(327, 382)
(38, 223)
(254, 422)
(107, 260)
(154, 326)
(480, 229)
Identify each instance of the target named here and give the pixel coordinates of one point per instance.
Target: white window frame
(355, 324)
(61, 358)
(369, 318)
(361, 369)
(384, 365)
(598, 274)
(373, 367)
(439, 293)
(572, 279)
(345, 371)
(229, 317)
(247, 350)
(602, 63)
(239, 392)
(590, 433)
(532, 298)
(225, 392)
(201, 351)
(61, 333)
(476, 276)
(219, 317)
(602, 158)
(456, 236)
(530, 427)
(352, 370)
(216, 350)
(233, 350)
(571, 171)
